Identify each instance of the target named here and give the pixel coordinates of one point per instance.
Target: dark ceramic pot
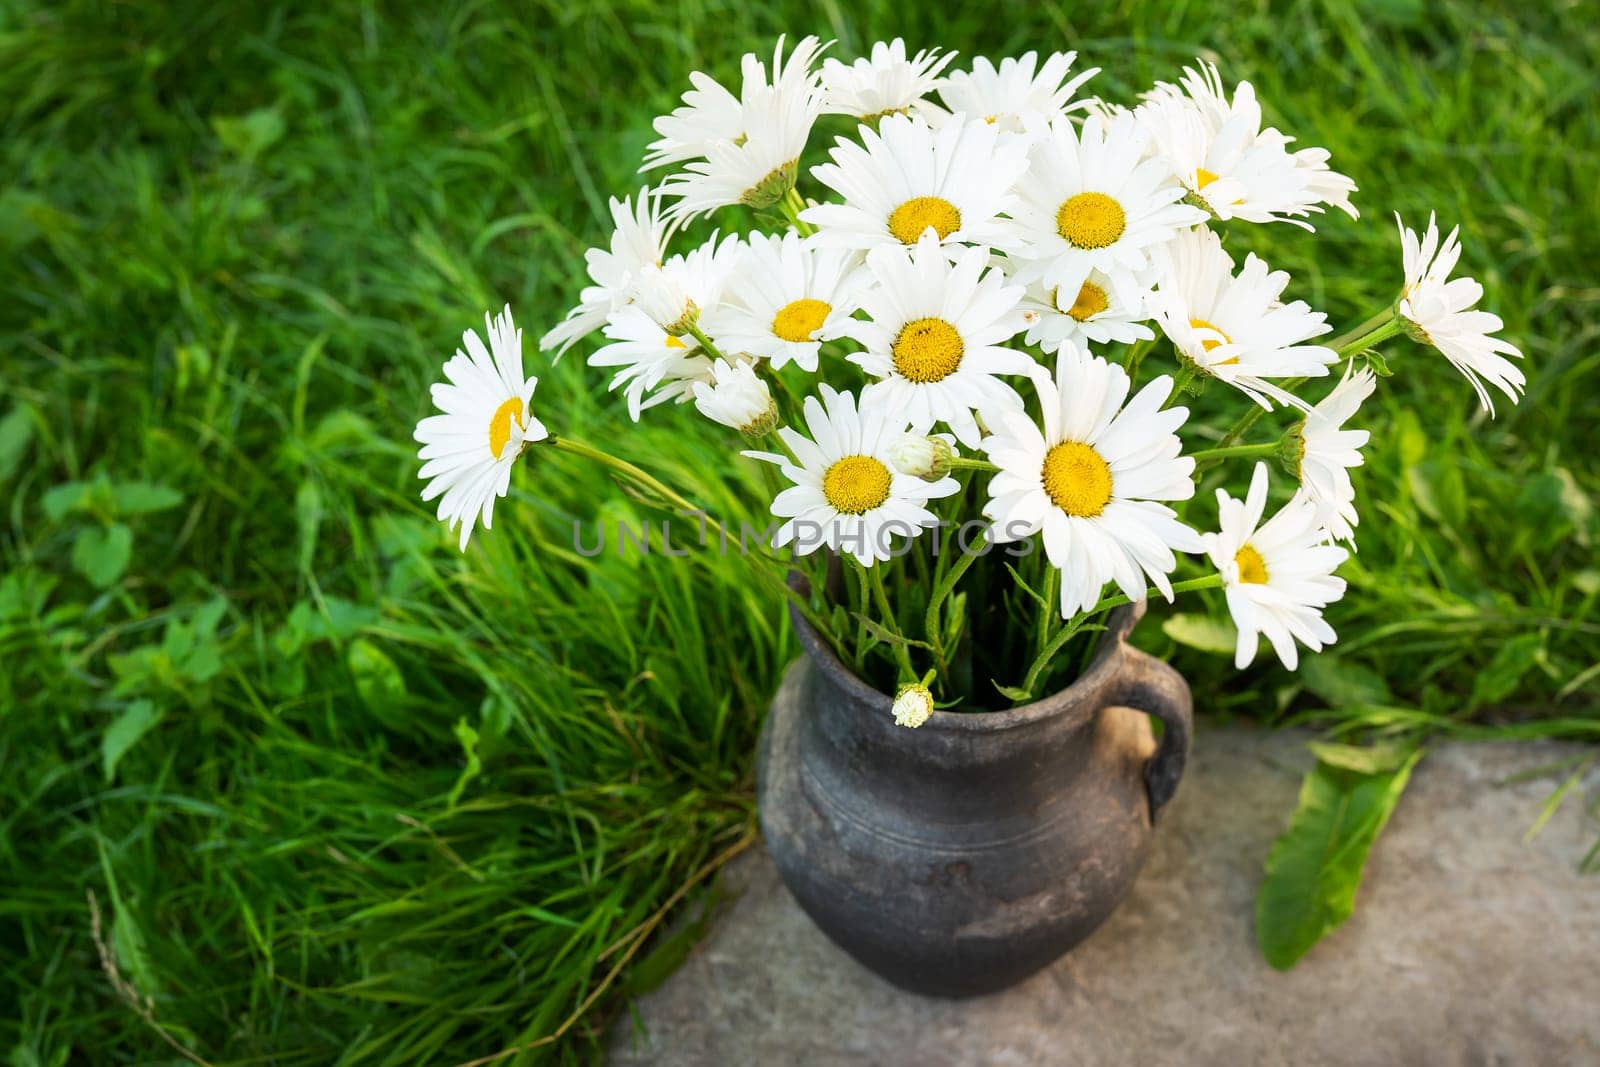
(961, 857)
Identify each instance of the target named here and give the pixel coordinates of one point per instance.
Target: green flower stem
(1266, 449)
(1210, 581)
(792, 204)
(1382, 317)
(957, 463)
(705, 342)
(1049, 610)
(941, 591)
(1185, 376)
(874, 578)
(1366, 340)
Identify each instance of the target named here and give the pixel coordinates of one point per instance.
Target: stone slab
(1469, 945)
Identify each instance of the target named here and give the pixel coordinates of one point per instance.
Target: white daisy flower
(885, 83)
(935, 336)
(1440, 313)
(736, 397)
(650, 360)
(1008, 97)
(468, 450)
(1091, 201)
(1236, 327)
(846, 493)
(906, 178)
(784, 299)
(740, 150)
(1227, 162)
(1098, 312)
(1091, 480)
(1279, 577)
(1328, 451)
(638, 242)
(673, 294)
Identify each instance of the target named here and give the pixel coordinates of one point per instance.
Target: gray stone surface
(1469, 945)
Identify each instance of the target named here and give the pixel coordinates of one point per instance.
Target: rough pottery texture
(960, 857)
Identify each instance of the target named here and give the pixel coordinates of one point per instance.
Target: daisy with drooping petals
(1091, 481)
(906, 178)
(672, 295)
(934, 339)
(1008, 97)
(847, 494)
(468, 450)
(1439, 312)
(650, 360)
(740, 150)
(1227, 162)
(885, 83)
(1328, 451)
(784, 299)
(737, 398)
(1279, 577)
(639, 242)
(1098, 312)
(1235, 327)
(1091, 201)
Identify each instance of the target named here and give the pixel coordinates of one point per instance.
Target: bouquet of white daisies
(967, 344)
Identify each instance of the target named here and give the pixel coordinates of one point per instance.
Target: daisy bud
(922, 457)
(912, 706)
(737, 398)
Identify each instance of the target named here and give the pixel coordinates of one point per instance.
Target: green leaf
(137, 498)
(127, 940)
(136, 720)
(1363, 759)
(308, 520)
(379, 682)
(250, 134)
(101, 554)
(16, 434)
(1202, 632)
(1315, 866)
(1340, 682)
(1499, 679)
(467, 737)
(1015, 694)
(61, 500)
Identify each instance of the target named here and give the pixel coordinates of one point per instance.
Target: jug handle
(1149, 685)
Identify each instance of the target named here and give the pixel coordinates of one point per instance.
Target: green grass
(395, 805)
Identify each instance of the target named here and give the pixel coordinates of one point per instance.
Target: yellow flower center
(500, 424)
(1090, 302)
(1203, 178)
(1252, 568)
(1077, 480)
(856, 484)
(1091, 220)
(927, 350)
(1208, 343)
(797, 320)
(908, 221)
(673, 342)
